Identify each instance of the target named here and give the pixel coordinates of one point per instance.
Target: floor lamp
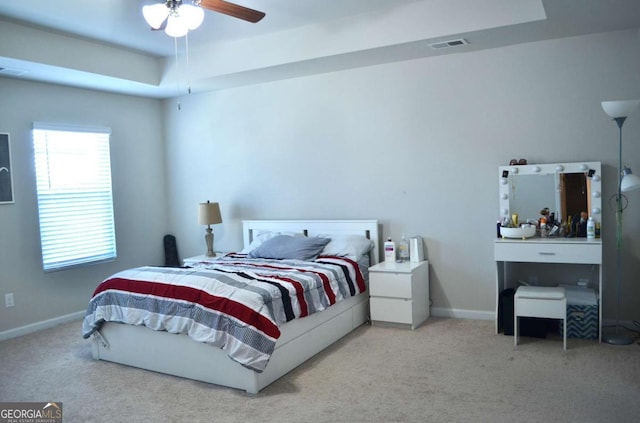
(619, 111)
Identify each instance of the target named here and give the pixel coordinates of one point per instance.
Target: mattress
(233, 303)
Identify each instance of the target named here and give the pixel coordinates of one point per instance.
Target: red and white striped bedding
(234, 303)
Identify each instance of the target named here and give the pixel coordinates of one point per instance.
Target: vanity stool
(541, 302)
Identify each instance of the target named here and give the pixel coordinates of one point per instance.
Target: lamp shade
(155, 14)
(209, 214)
(629, 181)
(621, 108)
(180, 18)
(176, 26)
(193, 15)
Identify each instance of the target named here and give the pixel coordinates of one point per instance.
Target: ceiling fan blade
(232, 9)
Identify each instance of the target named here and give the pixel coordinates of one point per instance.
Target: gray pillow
(290, 247)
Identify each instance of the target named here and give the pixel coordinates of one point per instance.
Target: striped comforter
(234, 303)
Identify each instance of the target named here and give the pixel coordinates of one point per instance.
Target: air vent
(448, 43)
(12, 71)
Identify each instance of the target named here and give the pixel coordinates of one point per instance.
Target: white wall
(137, 160)
(415, 144)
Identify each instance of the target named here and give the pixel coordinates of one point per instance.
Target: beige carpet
(448, 370)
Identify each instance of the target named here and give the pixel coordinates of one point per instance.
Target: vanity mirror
(565, 189)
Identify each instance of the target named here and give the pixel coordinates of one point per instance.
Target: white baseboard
(45, 324)
(435, 311)
(463, 314)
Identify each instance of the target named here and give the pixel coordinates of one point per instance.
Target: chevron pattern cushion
(582, 321)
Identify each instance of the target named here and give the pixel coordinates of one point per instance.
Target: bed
(298, 339)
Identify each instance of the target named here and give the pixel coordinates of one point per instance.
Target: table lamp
(209, 214)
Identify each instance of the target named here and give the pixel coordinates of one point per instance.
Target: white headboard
(368, 228)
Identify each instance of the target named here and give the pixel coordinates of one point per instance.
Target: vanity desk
(510, 254)
(549, 261)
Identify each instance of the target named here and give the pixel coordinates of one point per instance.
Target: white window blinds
(75, 204)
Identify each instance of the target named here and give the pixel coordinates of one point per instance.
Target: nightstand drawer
(391, 310)
(395, 285)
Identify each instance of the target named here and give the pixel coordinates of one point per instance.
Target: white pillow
(259, 237)
(351, 246)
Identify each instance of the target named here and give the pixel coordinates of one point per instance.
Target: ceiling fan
(177, 18)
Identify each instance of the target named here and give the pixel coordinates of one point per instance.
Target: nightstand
(399, 293)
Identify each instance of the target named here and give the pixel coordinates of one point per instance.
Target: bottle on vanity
(591, 228)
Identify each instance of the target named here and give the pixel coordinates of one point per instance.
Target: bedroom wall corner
(137, 160)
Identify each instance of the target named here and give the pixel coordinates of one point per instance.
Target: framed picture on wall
(6, 181)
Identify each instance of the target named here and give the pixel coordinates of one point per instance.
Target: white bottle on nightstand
(389, 251)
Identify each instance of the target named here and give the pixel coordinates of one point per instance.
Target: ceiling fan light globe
(155, 14)
(193, 15)
(176, 26)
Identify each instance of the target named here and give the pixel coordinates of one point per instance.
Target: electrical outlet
(8, 300)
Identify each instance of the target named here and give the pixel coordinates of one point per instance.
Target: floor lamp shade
(621, 108)
(630, 182)
(209, 214)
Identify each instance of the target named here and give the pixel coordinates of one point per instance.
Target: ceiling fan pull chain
(175, 49)
(186, 41)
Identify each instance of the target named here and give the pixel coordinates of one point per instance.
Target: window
(75, 204)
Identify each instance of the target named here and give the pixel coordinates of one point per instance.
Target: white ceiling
(121, 22)
(69, 41)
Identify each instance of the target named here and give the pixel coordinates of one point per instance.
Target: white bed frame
(300, 339)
